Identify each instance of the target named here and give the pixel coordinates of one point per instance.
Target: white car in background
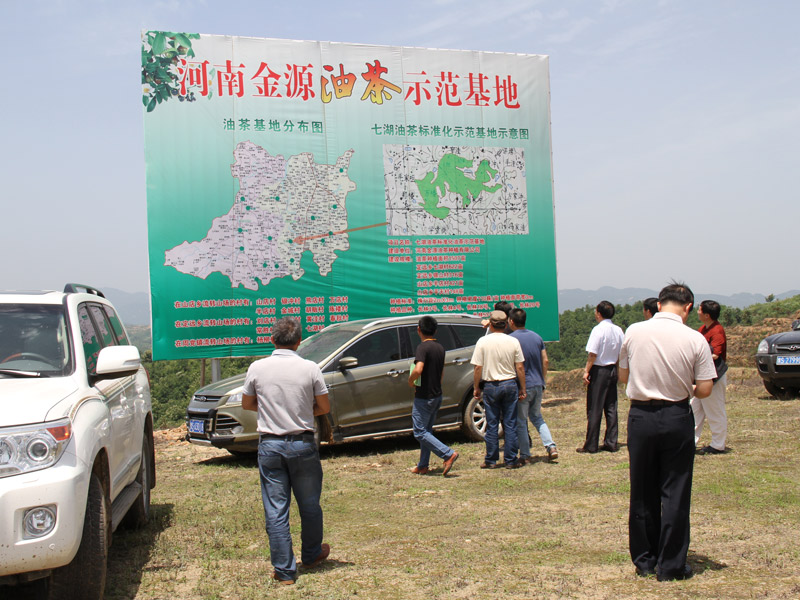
(76, 439)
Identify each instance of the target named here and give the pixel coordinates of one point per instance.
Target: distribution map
(455, 190)
(283, 208)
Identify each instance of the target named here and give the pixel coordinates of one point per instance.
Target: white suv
(76, 438)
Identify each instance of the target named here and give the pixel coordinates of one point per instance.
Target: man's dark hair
(676, 293)
(428, 325)
(606, 309)
(650, 305)
(518, 316)
(506, 307)
(711, 308)
(286, 332)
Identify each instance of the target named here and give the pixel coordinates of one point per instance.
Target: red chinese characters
(296, 81)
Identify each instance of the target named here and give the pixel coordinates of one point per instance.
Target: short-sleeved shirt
(665, 357)
(284, 385)
(605, 341)
(431, 353)
(532, 345)
(715, 335)
(497, 355)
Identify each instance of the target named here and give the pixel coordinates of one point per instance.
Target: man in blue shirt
(536, 364)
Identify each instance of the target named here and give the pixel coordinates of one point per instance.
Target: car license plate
(197, 426)
(787, 360)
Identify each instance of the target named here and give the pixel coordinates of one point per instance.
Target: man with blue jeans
(536, 364)
(497, 361)
(426, 379)
(288, 392)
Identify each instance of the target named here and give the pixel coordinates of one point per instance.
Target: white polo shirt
(284, 385)
(665, 357)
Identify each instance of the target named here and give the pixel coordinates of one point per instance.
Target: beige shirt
(497, 354)
(665, 357)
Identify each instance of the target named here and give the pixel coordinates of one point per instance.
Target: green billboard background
(299, 121)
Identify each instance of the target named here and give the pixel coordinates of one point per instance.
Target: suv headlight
(234, 400)
(33, 447)
(763, 347)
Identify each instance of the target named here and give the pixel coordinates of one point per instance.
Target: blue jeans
(500, 400)
(423, 416)
(290, 465)
(531, 408)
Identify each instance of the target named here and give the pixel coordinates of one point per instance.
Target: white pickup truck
(76, 439)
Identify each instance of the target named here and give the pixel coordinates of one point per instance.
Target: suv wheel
(85, 577)
(139, 513)
(473, 423)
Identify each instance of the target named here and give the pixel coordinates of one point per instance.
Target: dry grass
(544, 531)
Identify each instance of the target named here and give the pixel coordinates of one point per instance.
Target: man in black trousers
(600, 377)
(664, 363)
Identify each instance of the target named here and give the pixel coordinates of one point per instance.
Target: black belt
(605, 366)
(499, 381)
(293, 437)
(659, 402)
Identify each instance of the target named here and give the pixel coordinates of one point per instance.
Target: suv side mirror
(348, 362)
(796, 324)
(117, 361)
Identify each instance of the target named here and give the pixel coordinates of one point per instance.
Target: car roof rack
(73, 288)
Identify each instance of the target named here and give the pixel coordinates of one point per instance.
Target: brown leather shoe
(490, 466)
(326, 550)
(277, 578)
(448, 464)
(514, 465)
(419, 470)
(552, 452)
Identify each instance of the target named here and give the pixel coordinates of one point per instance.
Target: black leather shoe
(709, 450)
(650, 572)
(608, 448)
(686, 573)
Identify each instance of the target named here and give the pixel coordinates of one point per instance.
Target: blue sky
(675, 126)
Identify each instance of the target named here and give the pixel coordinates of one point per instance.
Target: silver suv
(76, 438)
(365, 364)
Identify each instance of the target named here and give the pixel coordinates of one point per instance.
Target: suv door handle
(460, 361)
(395, 372)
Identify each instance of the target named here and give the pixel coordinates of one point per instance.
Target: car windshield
(322, 344)
(33, 341)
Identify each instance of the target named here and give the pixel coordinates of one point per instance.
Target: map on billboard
(455, 190)
(283, 207)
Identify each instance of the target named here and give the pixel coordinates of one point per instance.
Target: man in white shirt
(600, 376)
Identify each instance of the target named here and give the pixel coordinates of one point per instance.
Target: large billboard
(331, 181)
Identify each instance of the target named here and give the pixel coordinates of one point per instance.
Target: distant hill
(577, 298)
(134, 308)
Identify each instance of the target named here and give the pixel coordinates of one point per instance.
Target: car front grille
(224, 424)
